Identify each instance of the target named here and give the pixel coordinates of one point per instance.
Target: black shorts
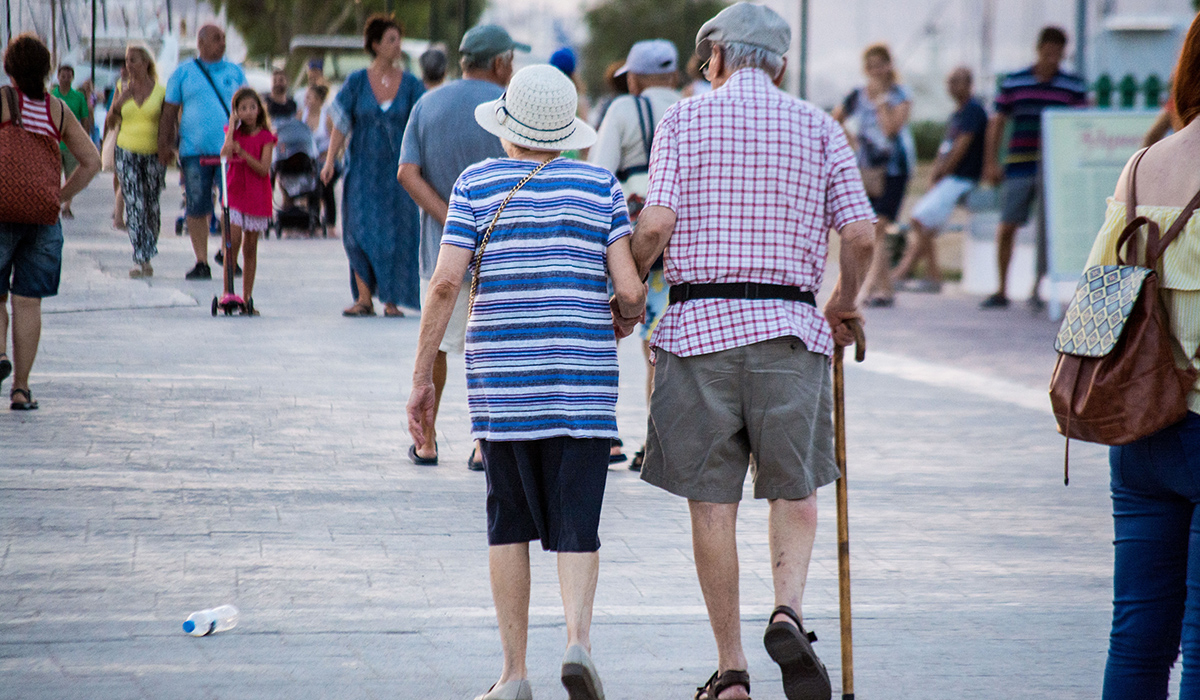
(549, 490)
(887, 205)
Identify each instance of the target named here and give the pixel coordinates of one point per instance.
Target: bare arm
(650, 237)
(991, 149)
(444, 288)
(854, 257)
(892, 118)
(262, 164)
(629, 292)
(168, 124)
(336, 141)
(79, 143)
(947, 162)
(427, 198)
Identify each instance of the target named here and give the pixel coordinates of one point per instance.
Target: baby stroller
(296, 172)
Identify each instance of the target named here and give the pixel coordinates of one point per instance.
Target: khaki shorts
(455, 339)
(709, 413)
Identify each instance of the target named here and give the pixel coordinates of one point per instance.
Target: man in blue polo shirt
(198, 100)
(1022, 98)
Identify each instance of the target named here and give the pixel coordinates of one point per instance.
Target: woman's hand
(327, 171)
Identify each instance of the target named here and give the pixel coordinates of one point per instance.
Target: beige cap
(745, 23)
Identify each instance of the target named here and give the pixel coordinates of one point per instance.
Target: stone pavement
(180, 462)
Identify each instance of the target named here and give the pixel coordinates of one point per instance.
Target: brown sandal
(360, 310)
(719, 682)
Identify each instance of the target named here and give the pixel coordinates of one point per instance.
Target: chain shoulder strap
(491, 227)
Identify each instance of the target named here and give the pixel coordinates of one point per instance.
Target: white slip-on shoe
(579, 676)
(512, 690)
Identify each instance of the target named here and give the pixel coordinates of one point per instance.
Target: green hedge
(928, 136)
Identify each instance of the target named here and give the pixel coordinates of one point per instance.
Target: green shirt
(76, 102)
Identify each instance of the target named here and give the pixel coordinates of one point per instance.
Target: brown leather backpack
(1116, 380)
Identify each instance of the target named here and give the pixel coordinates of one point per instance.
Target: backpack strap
(1133, 222)
(14, 109)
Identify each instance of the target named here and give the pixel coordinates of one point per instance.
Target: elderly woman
(135, 114)
(31, 254)
(1156, 480)
(886, 155)
(543, 236)
(380, 227)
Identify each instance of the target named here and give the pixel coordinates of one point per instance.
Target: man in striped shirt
(1023, 97)
(745, 184)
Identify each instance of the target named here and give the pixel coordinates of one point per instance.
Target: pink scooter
(228, 301)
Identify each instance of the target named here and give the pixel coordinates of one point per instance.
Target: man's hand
(838, 314)
(420, 411)
(622, 325)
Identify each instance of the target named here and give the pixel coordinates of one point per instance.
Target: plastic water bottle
(205, 622)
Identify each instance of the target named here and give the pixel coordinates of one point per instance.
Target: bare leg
(509, 567)
(249, 241)
(27, 333)
(235, 244)
(792, 529)
(577, 576)
(197, 227)
(714, 544)
(879, 281)
(429, 449)
(364, 294)
(912, 253)
(1006, 236)
(933, 271)
(118, 205)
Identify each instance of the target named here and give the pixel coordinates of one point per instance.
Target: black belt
(739, 290)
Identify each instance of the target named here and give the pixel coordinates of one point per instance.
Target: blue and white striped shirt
(541, 356)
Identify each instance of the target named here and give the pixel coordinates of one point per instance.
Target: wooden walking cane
(843, 524)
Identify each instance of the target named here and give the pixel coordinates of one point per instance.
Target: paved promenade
(180, 462)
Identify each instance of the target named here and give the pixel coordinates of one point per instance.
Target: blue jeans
(1156, 582)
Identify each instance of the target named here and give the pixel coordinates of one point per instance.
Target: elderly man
(623, 148)
(442, 138)
(745, 183)
(197, 109)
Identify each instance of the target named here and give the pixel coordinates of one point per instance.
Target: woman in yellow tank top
(1156, 480)
(135, 114)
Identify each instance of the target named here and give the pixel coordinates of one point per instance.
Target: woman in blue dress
(380, 228)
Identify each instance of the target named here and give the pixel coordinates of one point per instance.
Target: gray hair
(738, 55)
(480, 62)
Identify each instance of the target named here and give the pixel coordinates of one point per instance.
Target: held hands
(420, 411)
(623, 325)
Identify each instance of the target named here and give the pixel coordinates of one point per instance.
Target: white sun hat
(537, 112)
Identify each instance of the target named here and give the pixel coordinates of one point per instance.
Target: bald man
(956, 172)
(194, 115)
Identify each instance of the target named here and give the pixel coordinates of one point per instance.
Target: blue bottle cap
(189, 626)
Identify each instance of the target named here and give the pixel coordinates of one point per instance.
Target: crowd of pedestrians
(531, 241)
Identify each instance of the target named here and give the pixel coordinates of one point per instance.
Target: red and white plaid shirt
(756, 179)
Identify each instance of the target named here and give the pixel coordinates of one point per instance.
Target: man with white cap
(745, 183)
(440, 141)
(622, 147)
(543, 236)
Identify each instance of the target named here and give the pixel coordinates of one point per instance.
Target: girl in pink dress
(248, 146)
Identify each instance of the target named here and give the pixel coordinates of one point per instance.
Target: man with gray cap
(441, 140)
(745, 183)
(623, 148)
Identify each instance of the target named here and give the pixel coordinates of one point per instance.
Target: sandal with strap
(719, 682)
(360, 310)
(804, 676)
(27, 405)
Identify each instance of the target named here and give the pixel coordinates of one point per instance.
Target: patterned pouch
(1097, 314)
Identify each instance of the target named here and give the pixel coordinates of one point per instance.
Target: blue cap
(189, 626)
(564, 60)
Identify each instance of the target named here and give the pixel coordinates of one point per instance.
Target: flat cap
(744, 23)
